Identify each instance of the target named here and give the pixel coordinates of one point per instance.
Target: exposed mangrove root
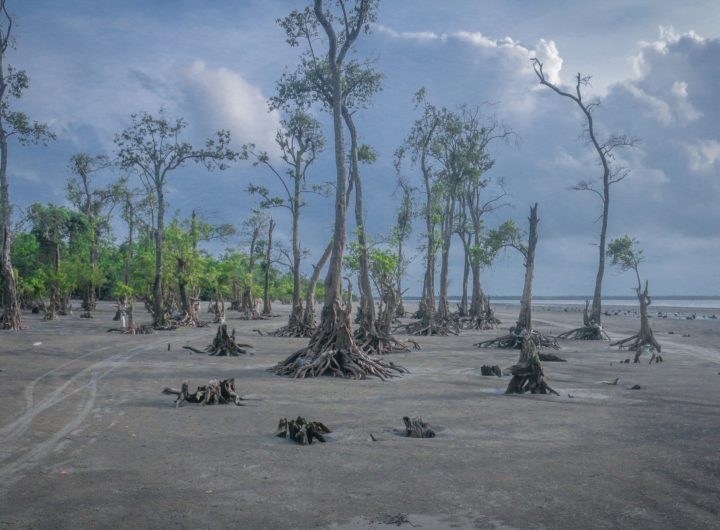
(641, 345)
(528, 374)
(223, 344)
(332, 351)
(214, 393)
(487, 320)
(295, 330)
(417, 428)
(143, 329)
(302, 431)
(514, 340)
(435, 326)
(590, 329)
(589, 332)
(381, 344)
(251, 314)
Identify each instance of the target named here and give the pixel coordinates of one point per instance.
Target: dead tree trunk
(216, 392)
(267, 309)
(523, 328)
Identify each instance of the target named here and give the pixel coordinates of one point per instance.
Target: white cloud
(231, 103)
(545, 50)
(704, 155)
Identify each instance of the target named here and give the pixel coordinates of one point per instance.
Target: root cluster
(214, 393)
(588, 332)
(332, 351)
(514, 340)
(223, 344)
(302, 431)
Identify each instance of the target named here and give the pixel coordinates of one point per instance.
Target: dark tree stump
(417, 428)
(528, 373)
(214, 393)
(301, 431)
(223, 344)
(490, 370)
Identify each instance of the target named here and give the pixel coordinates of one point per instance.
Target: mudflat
(87, 440)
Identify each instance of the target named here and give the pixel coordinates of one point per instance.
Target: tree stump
(301, 431)
(417, 428)
(528, 373)
(223, 344)
(490, 370)
(216, 392)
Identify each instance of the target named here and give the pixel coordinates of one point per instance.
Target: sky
(655, 67)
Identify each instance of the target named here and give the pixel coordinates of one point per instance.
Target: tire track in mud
(84, 382)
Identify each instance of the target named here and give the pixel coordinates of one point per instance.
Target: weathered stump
(301, 431)
(216, 392)
(488, 370)
(417, 428)
(528, 374)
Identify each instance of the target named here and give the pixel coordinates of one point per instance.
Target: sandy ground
(88, 441)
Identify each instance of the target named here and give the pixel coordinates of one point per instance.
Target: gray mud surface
(88, 441)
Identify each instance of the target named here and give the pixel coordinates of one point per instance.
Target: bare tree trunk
(463, 309)
(443, 311)
(158, 302)
(295, 319)
(367, 326)
(524, 322)
(267, 309)
(11, 317)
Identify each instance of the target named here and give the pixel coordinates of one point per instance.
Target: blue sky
(655, 67)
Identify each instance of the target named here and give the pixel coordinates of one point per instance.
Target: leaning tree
(97, 204)
(300, 141)
(13, 125)
(152, 147)
(509, 236)
(612, 173)
(627, 256)
(332, 349)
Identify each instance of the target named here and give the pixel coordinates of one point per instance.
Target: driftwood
(214, 393)
(223, 344)
(301, 431)
(490, 370)
(528, 373)
(417, 428)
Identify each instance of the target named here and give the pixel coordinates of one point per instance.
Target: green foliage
(625, 253)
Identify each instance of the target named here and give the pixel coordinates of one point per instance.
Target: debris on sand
(613, 382)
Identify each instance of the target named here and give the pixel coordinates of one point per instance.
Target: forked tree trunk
(331, 349)
(309, 312)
